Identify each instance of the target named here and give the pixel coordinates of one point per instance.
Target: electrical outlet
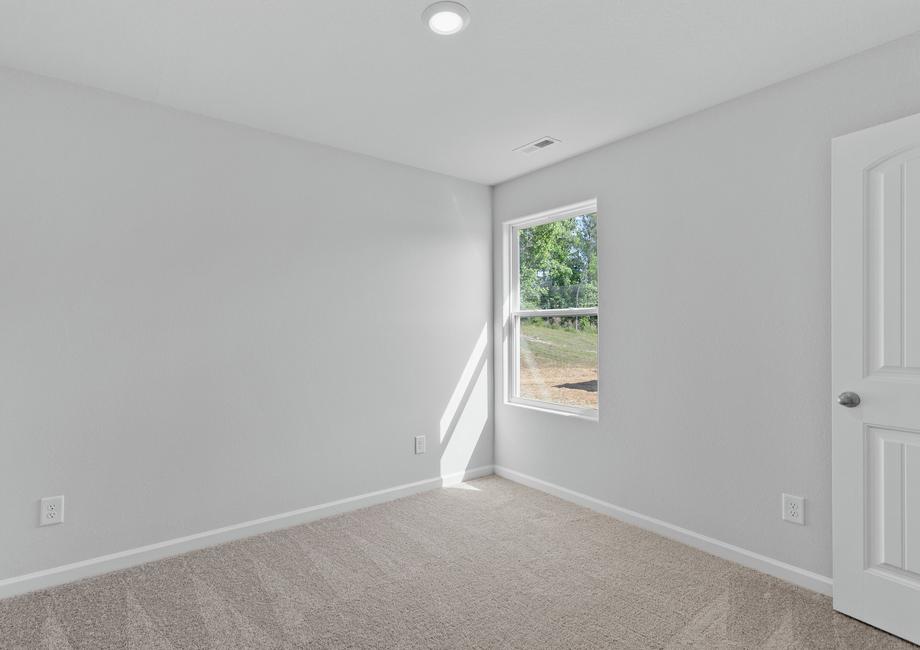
(794, 509)
(419, 444)
(52, 511)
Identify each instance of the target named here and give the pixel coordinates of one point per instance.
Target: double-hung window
(552, 315)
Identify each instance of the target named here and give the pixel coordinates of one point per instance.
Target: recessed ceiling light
(446, 18)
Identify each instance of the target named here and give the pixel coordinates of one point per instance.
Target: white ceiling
(367, 76)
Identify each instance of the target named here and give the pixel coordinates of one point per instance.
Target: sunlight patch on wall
(463, 385)
(470, 424)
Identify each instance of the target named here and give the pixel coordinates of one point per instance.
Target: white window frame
(513, 312)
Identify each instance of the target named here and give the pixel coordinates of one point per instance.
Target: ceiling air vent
(536, 145)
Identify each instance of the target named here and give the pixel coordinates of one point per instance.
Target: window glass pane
(558, 357)
(558, 264)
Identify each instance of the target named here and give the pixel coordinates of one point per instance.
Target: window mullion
(548, 313)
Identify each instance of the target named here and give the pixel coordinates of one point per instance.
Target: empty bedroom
(481, 324)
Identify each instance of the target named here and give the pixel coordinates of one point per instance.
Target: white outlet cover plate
(419, 444)
(51, 511)
(794, 509)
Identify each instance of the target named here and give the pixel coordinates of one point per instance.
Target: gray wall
(203, 324)
(714, 238)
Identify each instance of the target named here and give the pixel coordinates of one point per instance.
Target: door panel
(893, 463)
(876, 353)
(893, 266)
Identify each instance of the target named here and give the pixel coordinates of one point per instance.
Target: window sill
(555, 409)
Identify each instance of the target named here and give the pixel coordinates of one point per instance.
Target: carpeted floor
(489, 564)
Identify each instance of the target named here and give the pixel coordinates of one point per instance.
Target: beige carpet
(489, 564)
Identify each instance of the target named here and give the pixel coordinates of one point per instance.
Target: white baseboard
(789, 573)
(143, 554)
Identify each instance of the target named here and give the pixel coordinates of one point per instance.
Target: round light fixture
(446, 18)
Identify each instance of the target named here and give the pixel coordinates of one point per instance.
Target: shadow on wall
(466, 416)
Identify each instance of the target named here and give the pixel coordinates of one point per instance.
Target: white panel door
(876, 362)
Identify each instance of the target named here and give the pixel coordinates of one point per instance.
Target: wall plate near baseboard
(770, 566)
